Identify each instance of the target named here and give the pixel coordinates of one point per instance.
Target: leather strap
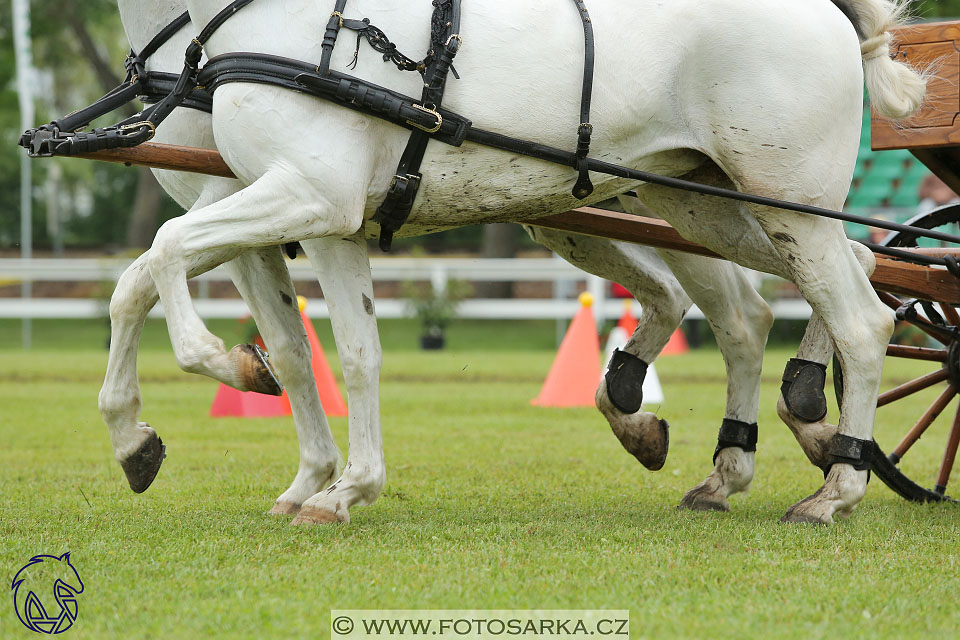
(734, 433)
(583, 186)
(396, 207)
(849, 450)
(60, 138)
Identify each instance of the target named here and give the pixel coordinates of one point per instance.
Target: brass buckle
(339, 16)
(455, 36)
(432, 112)
(137, 125)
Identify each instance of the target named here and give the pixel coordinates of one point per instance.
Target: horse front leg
(343, 268)
(136, 445)
(279, 207)
(263, 280)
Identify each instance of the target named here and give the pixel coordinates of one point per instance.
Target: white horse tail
(896, 89)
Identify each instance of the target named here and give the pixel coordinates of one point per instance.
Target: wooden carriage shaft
(895, 276)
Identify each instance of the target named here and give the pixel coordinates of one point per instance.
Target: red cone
(330, 397)
(677, 345)
(572, 381)
(230, 402)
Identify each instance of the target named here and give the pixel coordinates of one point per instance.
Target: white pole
(24, 56)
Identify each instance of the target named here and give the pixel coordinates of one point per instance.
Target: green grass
(490, 504)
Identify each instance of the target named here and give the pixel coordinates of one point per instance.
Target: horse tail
(896, 89)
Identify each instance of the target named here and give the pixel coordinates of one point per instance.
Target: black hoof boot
(141, 468)
(624, 377)
(802, 389)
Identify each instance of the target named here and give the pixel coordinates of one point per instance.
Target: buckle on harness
(137, 125)
(432, 112)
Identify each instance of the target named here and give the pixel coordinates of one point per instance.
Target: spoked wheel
(928, 333)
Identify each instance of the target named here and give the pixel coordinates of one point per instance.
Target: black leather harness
(63, 138)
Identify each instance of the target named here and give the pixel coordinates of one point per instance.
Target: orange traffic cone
(230, 402)
(677, 345)
(330, 397)
(572, 381)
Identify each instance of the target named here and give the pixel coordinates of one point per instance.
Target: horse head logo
(41, 577)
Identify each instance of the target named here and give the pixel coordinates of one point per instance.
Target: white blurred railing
(564, 277)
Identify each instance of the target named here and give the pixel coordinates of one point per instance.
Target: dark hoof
(703, 502)
(258, 374)
(645, 437)
(802, 389)
(141, 468)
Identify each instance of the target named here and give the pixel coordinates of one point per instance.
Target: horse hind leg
(740, 319)
(803, 382)
(832, 280)
(663, 302)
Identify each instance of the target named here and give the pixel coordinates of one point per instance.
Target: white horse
(695, 113)
(717, 287)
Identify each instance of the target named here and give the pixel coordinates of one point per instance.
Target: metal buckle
(432, 112)
(339, 16)
(454, 36)
(137, 125)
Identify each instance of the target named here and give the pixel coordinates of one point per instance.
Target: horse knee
(361, 365)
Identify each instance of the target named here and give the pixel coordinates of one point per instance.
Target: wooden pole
(891, 275)
(166, 156)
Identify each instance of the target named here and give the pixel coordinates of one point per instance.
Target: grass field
(490, 504)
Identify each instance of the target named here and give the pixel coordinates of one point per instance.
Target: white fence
(563, 305)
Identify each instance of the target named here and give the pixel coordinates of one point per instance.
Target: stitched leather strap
(849, 450)
(734, 433)
(583, 186)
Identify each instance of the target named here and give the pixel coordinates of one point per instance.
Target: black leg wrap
(849, 450)
(802, 389)
(624, 379)
(734, 433)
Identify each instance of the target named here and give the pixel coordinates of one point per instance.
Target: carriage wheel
(937, 323)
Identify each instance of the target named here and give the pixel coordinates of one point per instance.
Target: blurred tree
(79, 47)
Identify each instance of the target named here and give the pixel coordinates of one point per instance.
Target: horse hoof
(807, 511)
(311, 516)
(794, 516)
(698, 501)
(645, 437)
(256, 371)
(143, 464)
(285, 509)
